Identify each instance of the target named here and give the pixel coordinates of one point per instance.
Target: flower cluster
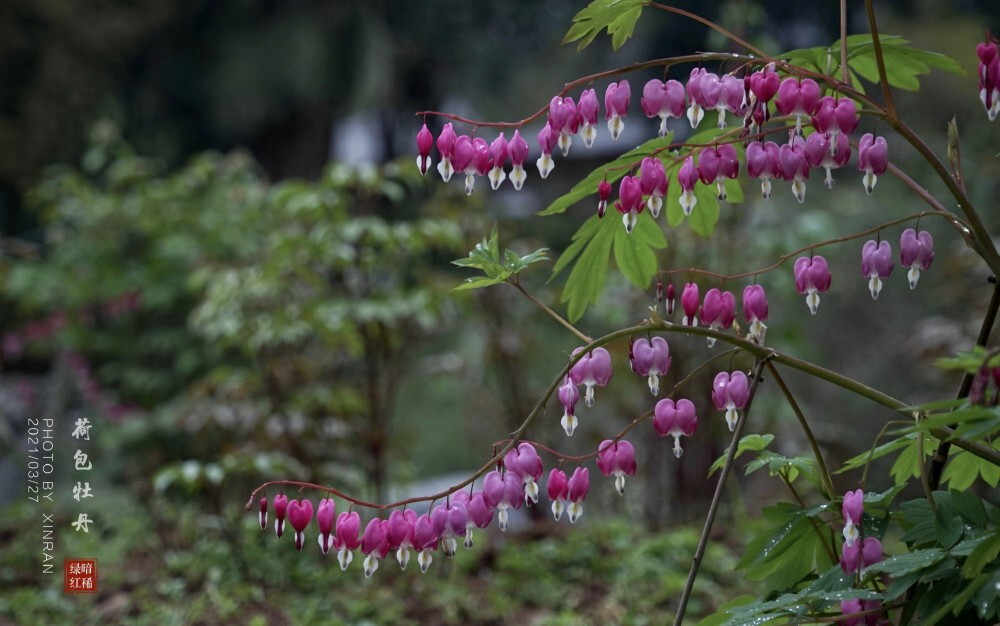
(592, 370)
(750, 98)
(857, 554)
(718, 311)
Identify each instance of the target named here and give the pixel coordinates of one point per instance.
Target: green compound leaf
(618, 17)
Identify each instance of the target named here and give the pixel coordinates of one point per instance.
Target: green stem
(714, 506)
(890, 106)
(819, 533)
(824, 471)
(548, 311)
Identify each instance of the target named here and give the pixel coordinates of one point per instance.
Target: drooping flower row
(749, 98)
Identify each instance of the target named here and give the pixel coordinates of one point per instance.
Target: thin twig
(714, 506)
(890, 106)
(845, 75)
(824, 472)
(550, 312)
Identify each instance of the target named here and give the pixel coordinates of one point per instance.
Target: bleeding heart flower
(687, 177)
(547, 141)
(425, 140)
(616, 458)
(400, 534)
(503, 492)
(718, 311)
(651, 358)
(374, 544)
(346, 539)
(794, 166)
(675, 419)
(603, 193)
(449, 522)
(564, 121)
(630, 203)
(324, 519)
(873, 159)
(586, 112)
(568, 396)
(755, 311)
(262, 514)
(876, 264)
(852, 509)
(446, 145)
(989, 77)
(762, 163)
(518, 150)
(593, 370)
(425, 542)
(558, 490)
(916, 251)
(579, 487)
(480, 515)
(690, 302)
(717, 164)
(653, 183)
(616, 99)
(798, 98)
(663, 99)
(730, 392)
(280, 506)
(860, 554)
(812, 277)
(524, 462)
(830, 154)
(498, 156)
(696, 110)
(299, 515)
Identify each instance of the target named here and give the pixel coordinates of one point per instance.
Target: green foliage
(618, 17)
(497, 269)
(904, 64)
(591, 249)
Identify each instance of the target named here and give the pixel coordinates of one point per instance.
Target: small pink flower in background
(558, 490)
(630, 203)
(586, 112)
(718, 311)
(851, 510)
(503, 492)
(916, 251)
(860, 554)
(603, 193)
(755, 311)
(663, 99)
(730, 393)
(498, 156)
(280, 507)
(547, 140)
(449, 522)
(324, 520)
(822, 151)
(299, 516)
(524, 462)
(346, 539)
(400, 534)
(687, 177)
(518, 151)
(262, 515)
(812, 277)
(446, 145)
(564, 121)
(675, 419)
(876, 264)
(653, 183)
(425, 542)
(568, 396)
(651, 358)
(670, 299)
(989, 77)
(425, 141)
(616, 458)
(762, 163)
(798, 98)
(374, 544)
(873, 159)
(690, 302)
(717, 164)
(593, 370)
(794, 167)
(480, 515)
(616, 99)
(697, 106)
(579, 487)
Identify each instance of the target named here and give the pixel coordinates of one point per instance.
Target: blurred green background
(217, 248)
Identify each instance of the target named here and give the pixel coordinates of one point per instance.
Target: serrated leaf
(618, 17)
(586, 280)
(986, 553)
(748, 443)
(908, 562)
